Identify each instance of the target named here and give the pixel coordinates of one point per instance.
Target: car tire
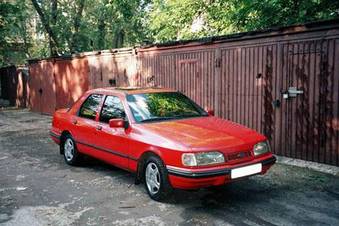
(71, 155)
(156, 179)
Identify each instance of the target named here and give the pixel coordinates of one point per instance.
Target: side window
(111, 109)
(90, 107)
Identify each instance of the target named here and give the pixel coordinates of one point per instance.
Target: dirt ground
(38, 188)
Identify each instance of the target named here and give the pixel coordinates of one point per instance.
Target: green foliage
(175, 19)
(114, 24)
(13, 37)
(36, 28)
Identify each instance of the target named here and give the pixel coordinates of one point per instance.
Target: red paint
(114, 144)
(116, 123)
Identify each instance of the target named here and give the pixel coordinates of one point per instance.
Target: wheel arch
(62, 139)
(141, 164)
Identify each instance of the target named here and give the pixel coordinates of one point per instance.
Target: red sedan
(162, 136)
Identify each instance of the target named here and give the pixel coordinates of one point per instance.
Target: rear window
(90, 107)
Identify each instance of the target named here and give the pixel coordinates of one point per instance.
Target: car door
(112, 143)
(84, 123)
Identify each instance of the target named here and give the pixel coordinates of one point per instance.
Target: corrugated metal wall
(191, 72)
(42, 96)
(116, 68)
(71, 80)
(244, 81)
(58, 82)
(307, 127)
(244, 78)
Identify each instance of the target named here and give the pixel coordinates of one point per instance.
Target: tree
(77, 19)
(46, 23)
(84, 25)
(185, 19)
(37, 28)
(15, 40)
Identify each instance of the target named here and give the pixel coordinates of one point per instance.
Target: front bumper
(197, 178)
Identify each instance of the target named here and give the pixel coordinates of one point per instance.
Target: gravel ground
(38, 188)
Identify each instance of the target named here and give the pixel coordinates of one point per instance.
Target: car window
(147, 107)
(111, 109)
(90, 107)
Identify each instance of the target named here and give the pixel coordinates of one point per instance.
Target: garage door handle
(99, 127)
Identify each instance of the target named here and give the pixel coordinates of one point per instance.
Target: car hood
(206, 133)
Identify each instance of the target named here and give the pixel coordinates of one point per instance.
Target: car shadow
(288, 200)
(251, 189)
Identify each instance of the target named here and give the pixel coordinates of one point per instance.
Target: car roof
(132, 90)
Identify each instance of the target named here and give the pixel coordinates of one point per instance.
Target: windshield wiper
(172, 117)
(189, 116)
(157, 119)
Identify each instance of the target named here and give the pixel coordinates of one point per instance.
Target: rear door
(112, 143)
(84, 124)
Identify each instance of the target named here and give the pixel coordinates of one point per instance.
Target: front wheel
(71, 154)
(156, 179)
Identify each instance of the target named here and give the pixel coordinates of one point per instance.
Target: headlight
(202, 158)
(261, 148)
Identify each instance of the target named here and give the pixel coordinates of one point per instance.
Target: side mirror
(210, 112)
(117, 123)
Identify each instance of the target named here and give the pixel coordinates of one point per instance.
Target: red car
(162, 136)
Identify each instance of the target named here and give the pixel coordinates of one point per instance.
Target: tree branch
(46, 25)
(77, 19)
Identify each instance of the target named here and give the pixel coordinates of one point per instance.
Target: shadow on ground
(38, 188)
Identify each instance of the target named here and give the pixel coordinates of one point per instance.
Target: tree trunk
(45, 23)
(75, 37)
(122, 38)
(118, 40)
(101, 33)
(54, 8)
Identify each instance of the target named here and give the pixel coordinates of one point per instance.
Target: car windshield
(161, 106)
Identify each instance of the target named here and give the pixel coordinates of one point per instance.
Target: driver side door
(112, 143)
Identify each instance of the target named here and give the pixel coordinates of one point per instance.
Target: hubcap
(152, 178)
(69, 149)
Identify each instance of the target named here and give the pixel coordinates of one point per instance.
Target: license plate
(246, 170)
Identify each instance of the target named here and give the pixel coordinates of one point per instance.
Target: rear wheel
(71, 154)
(156, 179)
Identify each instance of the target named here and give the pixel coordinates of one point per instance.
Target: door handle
(74, 122)
(99, 127)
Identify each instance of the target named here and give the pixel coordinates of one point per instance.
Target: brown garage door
(42, 87)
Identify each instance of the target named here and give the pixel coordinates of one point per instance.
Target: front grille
(238, 155)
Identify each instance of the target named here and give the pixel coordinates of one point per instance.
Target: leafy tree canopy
(41, 28)
(182, 19)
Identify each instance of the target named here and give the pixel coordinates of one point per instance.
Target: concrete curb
(324, 168)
